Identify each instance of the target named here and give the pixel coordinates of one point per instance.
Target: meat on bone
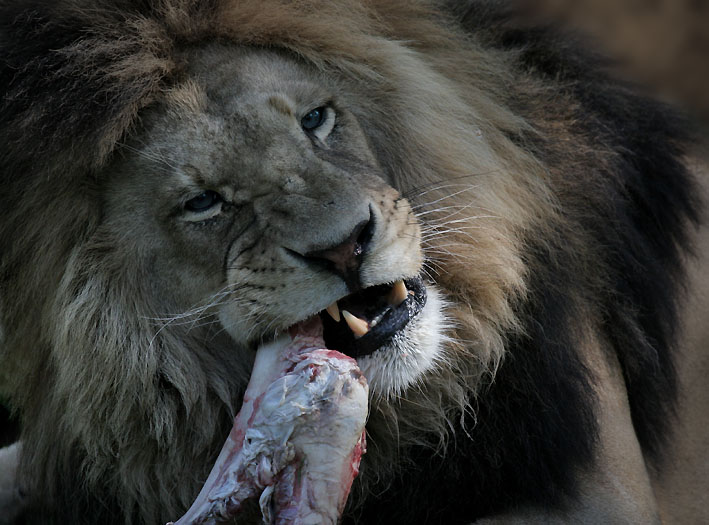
(296, 444)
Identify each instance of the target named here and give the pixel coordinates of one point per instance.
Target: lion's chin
(413, 352)
(365, 321)
(403, 343)
(395, 331)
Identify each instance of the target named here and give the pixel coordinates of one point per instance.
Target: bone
(297, 441)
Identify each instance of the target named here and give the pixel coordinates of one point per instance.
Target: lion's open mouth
(362, 322)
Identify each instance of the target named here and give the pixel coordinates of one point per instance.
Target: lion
(515, 236)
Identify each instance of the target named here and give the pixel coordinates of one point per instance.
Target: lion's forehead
(233, 122)
(229, 71)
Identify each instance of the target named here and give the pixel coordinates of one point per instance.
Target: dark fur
(627, 200)
(534, 425)
(644, 197)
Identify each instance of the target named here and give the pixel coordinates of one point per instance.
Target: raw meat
(298, 439)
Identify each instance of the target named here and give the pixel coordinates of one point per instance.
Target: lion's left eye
(313, 119)
(319, 122)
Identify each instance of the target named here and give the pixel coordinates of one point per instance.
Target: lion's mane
(553, 204)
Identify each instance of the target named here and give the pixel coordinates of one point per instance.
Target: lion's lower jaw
(413, 352)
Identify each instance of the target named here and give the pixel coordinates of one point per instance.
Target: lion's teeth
(334, 311)
(358, 326)
(398, 293)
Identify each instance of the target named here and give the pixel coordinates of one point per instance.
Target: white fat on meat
(297, 441)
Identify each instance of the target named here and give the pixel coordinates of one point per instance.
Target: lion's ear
(68, 83)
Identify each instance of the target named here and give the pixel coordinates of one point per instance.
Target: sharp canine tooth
(398, 293)
(358, 326)
(334, 311)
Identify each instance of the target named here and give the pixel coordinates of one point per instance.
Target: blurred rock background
(660, 44)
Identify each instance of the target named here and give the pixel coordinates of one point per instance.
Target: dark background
(661, 44)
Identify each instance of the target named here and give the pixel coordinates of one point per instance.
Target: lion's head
(183, 183)
(266, 204)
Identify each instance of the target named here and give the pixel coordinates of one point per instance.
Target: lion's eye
(319, 122)
(203, 201)
(313, 119)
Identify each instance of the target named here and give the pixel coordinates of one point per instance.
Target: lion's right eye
(203, 202)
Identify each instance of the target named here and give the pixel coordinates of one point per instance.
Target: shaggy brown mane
(532, 218)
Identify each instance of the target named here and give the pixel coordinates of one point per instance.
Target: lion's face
(253, 202)
(183, 180)
(244, 188)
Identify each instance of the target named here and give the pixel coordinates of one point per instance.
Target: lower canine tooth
(398, 293)
(334, 311)
(358, 326)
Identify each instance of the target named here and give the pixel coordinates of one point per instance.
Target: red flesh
(287, 477)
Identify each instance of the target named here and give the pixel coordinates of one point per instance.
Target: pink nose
(345, 258)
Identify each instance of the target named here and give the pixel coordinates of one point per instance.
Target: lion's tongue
(298, 439)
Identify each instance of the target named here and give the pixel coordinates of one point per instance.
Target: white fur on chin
(411, 353)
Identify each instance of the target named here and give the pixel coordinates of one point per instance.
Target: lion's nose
(346, 257)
